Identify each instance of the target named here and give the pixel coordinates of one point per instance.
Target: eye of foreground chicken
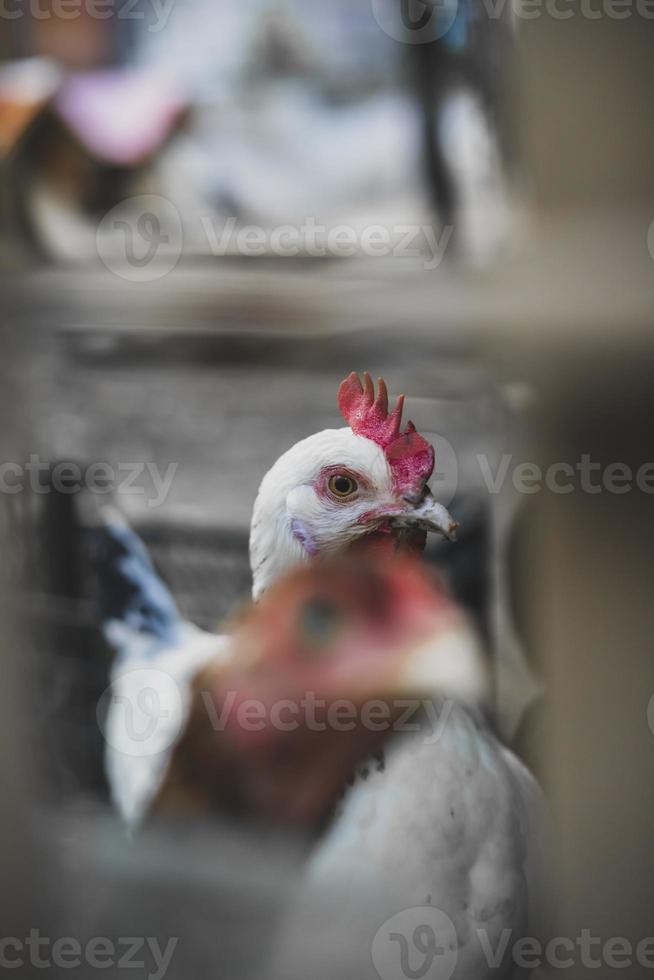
(318, 621)
(342, 485)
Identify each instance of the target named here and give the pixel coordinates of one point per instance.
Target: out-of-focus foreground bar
(589, 142)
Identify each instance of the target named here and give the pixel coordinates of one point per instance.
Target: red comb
(410, 457)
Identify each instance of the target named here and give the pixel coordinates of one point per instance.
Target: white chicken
(363, 485)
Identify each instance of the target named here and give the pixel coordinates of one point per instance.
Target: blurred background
(210, 213)
(281, 113)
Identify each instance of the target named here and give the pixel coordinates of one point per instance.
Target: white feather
(148, 705)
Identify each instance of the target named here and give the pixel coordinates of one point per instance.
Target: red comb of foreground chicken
(410, 457)
(321, 670)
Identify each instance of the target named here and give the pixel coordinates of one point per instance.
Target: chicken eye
(342, 485)
(318, 621)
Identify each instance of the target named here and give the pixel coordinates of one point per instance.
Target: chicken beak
(449, 663)
(428, 515)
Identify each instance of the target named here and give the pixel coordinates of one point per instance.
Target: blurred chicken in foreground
(352, 705)
(321, 668)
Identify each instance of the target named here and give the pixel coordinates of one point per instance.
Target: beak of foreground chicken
(428, 515)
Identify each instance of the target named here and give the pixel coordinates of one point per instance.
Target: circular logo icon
(415, 21)
(444, 480)
(141, 238)
(416, 944)
(141, 713)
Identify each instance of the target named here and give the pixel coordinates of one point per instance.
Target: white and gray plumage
(459, 826)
